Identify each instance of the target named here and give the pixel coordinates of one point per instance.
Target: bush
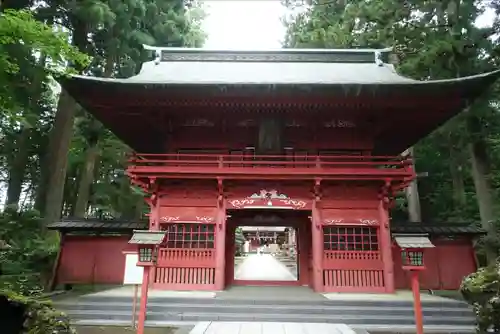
(26, 264)
(482, 290)
(25, 315)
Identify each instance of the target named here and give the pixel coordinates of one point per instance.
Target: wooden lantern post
(147, 248)
(412, 256)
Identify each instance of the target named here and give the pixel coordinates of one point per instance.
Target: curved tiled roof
(285, 66)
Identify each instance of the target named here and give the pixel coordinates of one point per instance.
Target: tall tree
(432, 40)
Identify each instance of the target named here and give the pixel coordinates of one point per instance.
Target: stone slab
(128, 291)
(398, 296)
(216, 327)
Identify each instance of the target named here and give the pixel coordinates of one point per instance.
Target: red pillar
(385, 245)
(417, 305)
(220, 246)
(303, 249)
(154, 215)
(144, 301)
(154, 225)
(317, 249)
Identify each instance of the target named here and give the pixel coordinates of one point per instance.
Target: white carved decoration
(296, 204)
(199, 122)
(205, 219)
(240, 203)
(340, 123)
(368, 221)
(269, 194)
(334, 221)
(201, 219)
(169, 219)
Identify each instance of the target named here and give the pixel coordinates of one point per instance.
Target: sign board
(133, 273)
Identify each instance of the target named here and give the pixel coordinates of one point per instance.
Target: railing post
(221, 161)
(318, 162)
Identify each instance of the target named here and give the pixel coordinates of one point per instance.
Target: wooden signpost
(133, 276)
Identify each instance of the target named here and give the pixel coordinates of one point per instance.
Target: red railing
(274, 164)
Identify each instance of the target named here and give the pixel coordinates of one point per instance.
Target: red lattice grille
(190, 236)
(185, 276)
(350, 239)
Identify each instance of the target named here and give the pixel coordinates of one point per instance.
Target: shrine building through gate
(310, 139)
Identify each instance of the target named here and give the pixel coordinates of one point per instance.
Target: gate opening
(268, 247)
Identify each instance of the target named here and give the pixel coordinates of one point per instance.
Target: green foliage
(482, 290)
(40, 317)
(239, 237)
(35, 48)
(30, 255)
(21, 36)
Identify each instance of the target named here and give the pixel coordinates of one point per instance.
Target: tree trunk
(60, 138)
(481, 173)
(412, 196)
(91, 156)
(139, 208)
(86, 179)
(456, 178)
(18, 167)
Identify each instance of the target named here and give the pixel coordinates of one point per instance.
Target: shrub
(26, 264)
(482, 290)
(25, 315)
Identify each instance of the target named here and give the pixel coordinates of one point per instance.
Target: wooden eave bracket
(317, 189)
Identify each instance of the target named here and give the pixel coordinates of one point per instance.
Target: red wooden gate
(352, 261)
(186, 260)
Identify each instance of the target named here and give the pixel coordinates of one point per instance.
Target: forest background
(57, 160)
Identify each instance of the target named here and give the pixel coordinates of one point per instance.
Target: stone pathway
(263, 267)
(269, 328)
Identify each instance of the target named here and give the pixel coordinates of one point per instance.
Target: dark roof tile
(436, 228)
(78, 224)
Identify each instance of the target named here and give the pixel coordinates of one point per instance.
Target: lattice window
(350, 238)
(190, 236)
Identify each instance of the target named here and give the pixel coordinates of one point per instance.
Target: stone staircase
(394, 315)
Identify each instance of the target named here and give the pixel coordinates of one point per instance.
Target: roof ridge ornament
(378, 58)
(354, 55)
(157, 57)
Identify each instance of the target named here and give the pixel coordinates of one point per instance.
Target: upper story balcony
(269, 167)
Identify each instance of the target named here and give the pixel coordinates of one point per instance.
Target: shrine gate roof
(357, 82)
(192, 66)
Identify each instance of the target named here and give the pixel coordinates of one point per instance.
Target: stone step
(364, 313)
(299, 302)
(276, 309)
(208, 315)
